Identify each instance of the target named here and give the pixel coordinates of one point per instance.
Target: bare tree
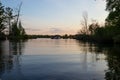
(18, 14)
(84, 23)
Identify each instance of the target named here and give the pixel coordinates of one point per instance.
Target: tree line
(109, 33)
(10, 24)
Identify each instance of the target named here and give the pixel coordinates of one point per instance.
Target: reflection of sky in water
(49, 59)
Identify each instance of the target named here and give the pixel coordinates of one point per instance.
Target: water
(63, 59)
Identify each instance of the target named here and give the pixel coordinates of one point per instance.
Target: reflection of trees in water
(10, 58)
(2, 65)
(112, 53)
(91, 55)
(92, 51)
(113, 58)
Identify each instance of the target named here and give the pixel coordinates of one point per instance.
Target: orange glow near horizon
(50, 32)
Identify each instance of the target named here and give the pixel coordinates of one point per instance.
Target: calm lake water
(62, 59)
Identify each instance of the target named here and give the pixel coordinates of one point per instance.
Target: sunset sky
(57, 16)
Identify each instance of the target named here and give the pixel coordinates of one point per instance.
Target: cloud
(55, 30)
(31, 29)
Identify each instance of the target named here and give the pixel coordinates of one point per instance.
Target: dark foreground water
(49, 59)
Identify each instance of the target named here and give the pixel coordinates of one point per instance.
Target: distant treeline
(107, 33)
(51, 36)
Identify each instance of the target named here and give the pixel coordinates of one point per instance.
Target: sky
(57, 16)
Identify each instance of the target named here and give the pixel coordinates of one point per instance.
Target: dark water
(49, 59)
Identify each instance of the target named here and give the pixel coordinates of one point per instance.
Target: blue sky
(57, 16)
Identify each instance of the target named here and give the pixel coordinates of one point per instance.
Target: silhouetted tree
(113, 6)
(2, 19)
(16, 29)
(22, 30)
(113, 19)
(92, 27)
(84, 24)
(9, 17)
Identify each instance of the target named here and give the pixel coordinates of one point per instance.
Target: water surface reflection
(47, 59)
(10, 66)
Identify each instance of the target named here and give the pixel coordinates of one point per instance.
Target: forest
(109, 33)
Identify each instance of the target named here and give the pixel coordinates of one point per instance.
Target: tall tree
(84, 23)
(18, 14)
(2, 27)
(2, 20)
(9, 17)
(17, 28)
(113, 6)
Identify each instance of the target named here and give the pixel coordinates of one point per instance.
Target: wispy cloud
(56, 30)
(32, 29)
